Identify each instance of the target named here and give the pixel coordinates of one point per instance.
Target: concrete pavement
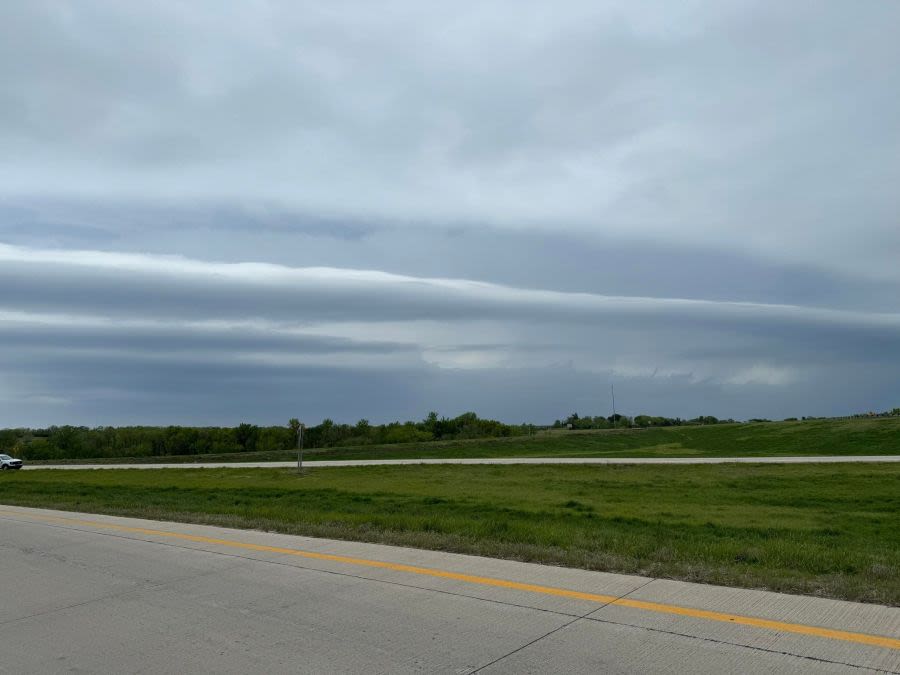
(828, 459)
(89, 593)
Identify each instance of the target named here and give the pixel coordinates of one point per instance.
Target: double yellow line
(802, 629)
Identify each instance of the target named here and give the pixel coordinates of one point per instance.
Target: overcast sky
(213, 213)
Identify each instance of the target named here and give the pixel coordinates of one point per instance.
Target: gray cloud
(734, 124)
(74, 312)
(494, 206)
(104, 391)
(142, 285)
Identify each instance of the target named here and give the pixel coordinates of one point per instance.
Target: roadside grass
(877, 436)
(820, 529)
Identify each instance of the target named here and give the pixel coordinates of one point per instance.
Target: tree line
(78, 442)
(617, 421)
(74, 442)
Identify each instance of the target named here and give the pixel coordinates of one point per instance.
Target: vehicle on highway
(7, 462)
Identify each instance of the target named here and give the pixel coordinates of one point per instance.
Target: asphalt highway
(90, 593)
(478, 460)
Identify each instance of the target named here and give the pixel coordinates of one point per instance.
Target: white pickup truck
(7, 462)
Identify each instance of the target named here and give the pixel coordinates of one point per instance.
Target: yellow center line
(802, 629)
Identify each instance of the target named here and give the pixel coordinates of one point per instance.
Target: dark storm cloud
(562, 260)
(192, 341)
(145, 286)
(105, 389)
(100, 391)
(66, 309)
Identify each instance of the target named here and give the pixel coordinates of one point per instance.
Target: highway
(91, 593)
(487, 460)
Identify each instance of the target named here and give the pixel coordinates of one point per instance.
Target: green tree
(247, 435)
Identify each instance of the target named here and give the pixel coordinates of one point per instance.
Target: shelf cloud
(70, 315)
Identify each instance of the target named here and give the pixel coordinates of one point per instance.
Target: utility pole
(300, 448)
(612, 388)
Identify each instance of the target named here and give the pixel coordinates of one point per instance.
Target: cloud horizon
(70, 308)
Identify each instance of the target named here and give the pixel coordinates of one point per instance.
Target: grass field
(830, 530)
(876, 436)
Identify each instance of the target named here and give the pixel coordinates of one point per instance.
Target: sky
(216, 213)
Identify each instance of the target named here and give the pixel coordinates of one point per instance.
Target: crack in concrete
(559, 628)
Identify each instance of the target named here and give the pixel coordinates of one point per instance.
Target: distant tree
(8, 439)
(294, 425)
(246, 436)
(704, 419)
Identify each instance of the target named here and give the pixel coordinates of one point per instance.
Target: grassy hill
(865, 436)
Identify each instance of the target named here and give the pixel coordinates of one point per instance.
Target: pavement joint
(565, 625)
(528, 644)
(738, 644)
(621, 597)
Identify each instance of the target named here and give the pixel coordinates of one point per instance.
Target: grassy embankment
(830, 530)
(877, 436)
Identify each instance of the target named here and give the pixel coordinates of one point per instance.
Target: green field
(875, 436)
(830, 530)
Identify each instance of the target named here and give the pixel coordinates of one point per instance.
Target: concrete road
(498, 460)
(87, 593)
